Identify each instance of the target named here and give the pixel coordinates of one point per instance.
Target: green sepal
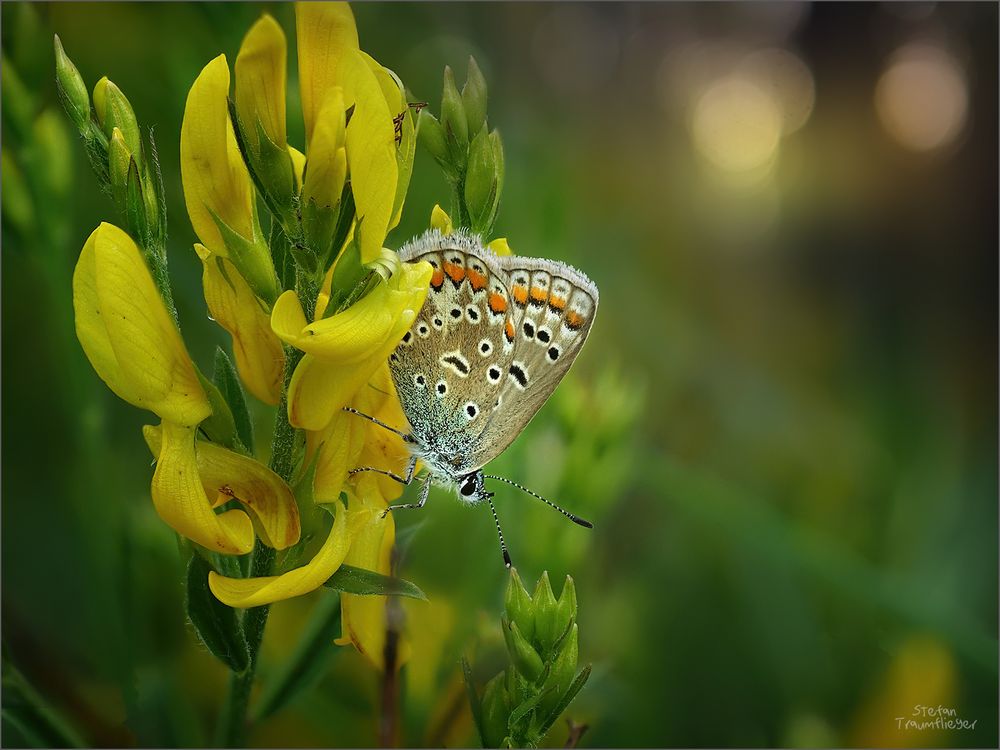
(135, 206)
(224, 376)
(347, 277)
(71, 88)
(307, 664)
(544, 600)
(480, 182)
(252, 258)
(318, 226)
(565, 607)
(561, 670)
(522, 654)
(495, 712)
(351, 580)
(474, 98)
(118, 113)
(566, 699)
(430, 133)
(454, 121)
(217, 625)
(220, 427)
(275, 170)
(517, 603)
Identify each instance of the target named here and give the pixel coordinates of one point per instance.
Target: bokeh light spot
(736, 125)
(922, 98)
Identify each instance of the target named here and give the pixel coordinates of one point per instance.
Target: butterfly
(495, 336)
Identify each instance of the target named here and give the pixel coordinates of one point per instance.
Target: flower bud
(496, 710)
(119, 157)
(565, 608)
(71, 87)
(474, 98)
(517, 602)
(562, 672)
(526, 659)
(430, 133)
(456, 126)
(545, 613)
(481, 183)
(114, 111)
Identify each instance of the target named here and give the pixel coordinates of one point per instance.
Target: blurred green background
(784, 425)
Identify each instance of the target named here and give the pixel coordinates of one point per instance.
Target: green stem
(233, 723)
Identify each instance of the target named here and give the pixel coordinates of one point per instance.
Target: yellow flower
(344, 350)
(127, 333)
(260, 358)
(193, 478)
(260, 81)
(324, 180)
(329, 57)
(254, 592)
(363, 618)
(217, 188)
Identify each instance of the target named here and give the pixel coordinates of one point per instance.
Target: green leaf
(217, 625)
(474, 704)
(351, 580)
(575, 687)
(225, 377)
(307, 664)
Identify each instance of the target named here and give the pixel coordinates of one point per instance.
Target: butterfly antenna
(503, 545)
(570, 516)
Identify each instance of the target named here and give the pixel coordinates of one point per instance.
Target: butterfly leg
(423, 499)
(402, 480)
(407, 437)
(503, 546)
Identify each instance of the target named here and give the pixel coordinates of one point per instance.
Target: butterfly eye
(468, 487)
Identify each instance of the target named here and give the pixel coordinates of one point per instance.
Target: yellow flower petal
(441, 221)
(127, 333)
(325, 31)
(212, 170)
(404, 133)
(499, 246)
(180, 499)
(226, 475)
(344, 350)
(337, 448)
(371, 154)
(363, 618)
(254, 592)
(260, 357)
(298, 165)
(260, 80)
(327, 172)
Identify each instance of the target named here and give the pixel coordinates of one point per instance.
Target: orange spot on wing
(477, 280)
(557, 303)
(455, 273)
(539, 295)
(497, 303)
(509, 330)
(520, 294)
(437, 278)
(574, 320)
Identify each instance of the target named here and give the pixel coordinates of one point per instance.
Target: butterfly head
(472, 489)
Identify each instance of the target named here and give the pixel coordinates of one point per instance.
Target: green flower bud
(481, 183)
(430, 133)
(119, 158)
(565, 608)
(114, 111)
(526, 659)
(517, 602)
(71, 87)
(496, 710)
(456, 126)
(545, 614)
(474, 98)
(562, 672)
